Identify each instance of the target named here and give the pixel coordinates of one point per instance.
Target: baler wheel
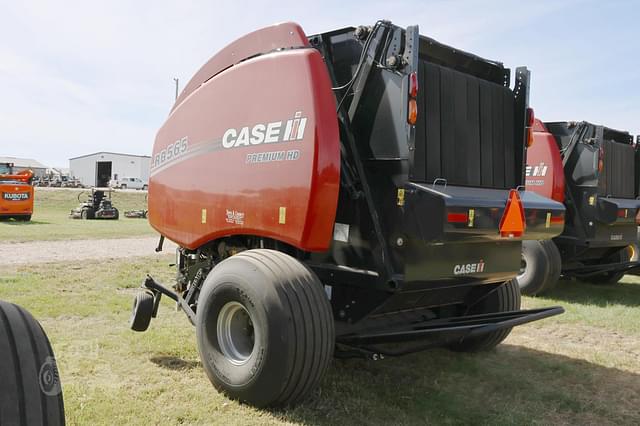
(611, 278)
(555, 266)
(264, 328)
(142, 311)
(503, 299)
(536, 268)
(29, 379)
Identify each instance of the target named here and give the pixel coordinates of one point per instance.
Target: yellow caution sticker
(592, 200)
(472, 214)
(283, 216)
(204, 215)
(401, 196)
(547, 224)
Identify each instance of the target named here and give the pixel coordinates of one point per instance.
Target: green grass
(582, 367)
(51, 220)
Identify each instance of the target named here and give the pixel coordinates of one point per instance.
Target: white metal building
(98, 168)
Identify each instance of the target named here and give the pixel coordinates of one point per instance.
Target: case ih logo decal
(469, 268)
(261, 133)
(15, 196)
(276, 131)
(536, 171)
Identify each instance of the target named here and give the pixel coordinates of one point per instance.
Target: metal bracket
(151, 284)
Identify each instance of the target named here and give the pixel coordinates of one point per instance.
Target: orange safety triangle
(512, 223)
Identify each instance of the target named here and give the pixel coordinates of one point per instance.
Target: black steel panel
(619, 167)
(465, 129)
(486, 135)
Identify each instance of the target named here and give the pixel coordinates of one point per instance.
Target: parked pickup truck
(128, 183)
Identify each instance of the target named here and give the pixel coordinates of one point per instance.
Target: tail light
(412, 113)
(413, 84)
(531, 118)
(600, 160)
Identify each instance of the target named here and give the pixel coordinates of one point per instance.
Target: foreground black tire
(555, 266)
(142, 311)
(264, 328)
(537, 268)
(505, 298)
(29, 382)
(610, 278)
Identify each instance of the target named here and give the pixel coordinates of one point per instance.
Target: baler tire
(142, 311)
(84, 214)
(610, 278)
(286, 325)
(504, 299)
(537, 268)
(29, 379)
(555, 266)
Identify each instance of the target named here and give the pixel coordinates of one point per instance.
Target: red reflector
(557, 219)
(623, 213)
(512, 223)
(457, 217)
(413, 84)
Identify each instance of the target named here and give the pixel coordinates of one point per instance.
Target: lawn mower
(97, 206)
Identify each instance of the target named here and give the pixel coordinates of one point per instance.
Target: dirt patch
(606, 347)
(73, 250)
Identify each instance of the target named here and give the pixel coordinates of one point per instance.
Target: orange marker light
(512, 223)
(412, 115)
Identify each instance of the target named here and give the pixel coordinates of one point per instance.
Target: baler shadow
(173, 363)
(443, 387)
(626, 293)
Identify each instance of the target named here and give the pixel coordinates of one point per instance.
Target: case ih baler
(351, 193)
(16, 193)
(593, 170)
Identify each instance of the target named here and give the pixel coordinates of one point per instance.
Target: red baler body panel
(254, 151)
(544, 171)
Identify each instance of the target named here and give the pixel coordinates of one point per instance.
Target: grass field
(51, 220)
(582, 367)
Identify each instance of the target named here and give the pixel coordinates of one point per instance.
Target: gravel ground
(71, 250)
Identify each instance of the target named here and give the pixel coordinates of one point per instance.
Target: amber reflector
(412, 116)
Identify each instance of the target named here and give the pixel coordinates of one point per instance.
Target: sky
(78, 77)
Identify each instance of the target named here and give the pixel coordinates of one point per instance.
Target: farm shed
(98, 168)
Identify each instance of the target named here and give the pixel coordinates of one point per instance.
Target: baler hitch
(158, 289)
